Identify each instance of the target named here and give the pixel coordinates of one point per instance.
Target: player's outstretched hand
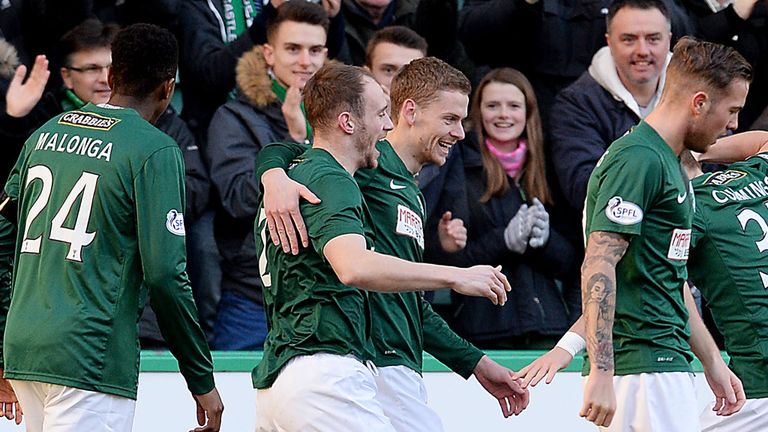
(599, 398)
(9, 404)
(482, 281)
(281, 205)
(22, 95)
(727, 387)
(500, 382)
(452, 233)
(209, 410)
(545, 366)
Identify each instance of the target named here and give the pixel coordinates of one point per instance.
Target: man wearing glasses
(88, 57)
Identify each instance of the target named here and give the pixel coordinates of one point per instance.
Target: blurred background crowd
(554, 83)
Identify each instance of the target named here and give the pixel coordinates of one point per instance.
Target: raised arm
(598, 288)
(736, 147)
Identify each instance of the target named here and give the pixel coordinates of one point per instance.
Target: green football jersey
(308, 309)
(404, 324)
(100, 195)
(729, 263)
(639, 189)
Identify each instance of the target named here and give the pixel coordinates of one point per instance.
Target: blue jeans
(241, 324)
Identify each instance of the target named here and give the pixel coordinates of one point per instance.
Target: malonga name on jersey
(75, 144)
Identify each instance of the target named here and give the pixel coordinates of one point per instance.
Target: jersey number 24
(77, 237)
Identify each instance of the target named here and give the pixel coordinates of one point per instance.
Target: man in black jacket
(622, 86)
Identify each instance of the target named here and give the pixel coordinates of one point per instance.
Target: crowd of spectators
(555, 82)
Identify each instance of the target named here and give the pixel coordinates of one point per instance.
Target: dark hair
(396, 35)
(333, 89)
(534, 174)
(88, 35)
(143, 57)
(300, 12)
(617, 5)
(707, 64)
(421, 80)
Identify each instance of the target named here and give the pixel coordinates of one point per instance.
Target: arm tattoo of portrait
(598, 276)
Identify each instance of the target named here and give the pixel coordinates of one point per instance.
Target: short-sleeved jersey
(308, 309)
(639, 189)
(729, 263)
(404, 322)
(100, 200)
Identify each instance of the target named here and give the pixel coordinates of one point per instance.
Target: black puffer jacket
(535, 305)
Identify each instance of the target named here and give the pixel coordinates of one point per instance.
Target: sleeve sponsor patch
(679, 245)
(623, 212)
(174, 222)
(724, 177)
(88, 120)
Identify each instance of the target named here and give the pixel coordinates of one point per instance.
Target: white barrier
(164, 404)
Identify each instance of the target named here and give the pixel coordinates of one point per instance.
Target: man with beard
(317, 370)
(430, 100)
(639, 320)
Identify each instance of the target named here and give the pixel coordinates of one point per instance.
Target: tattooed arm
(598, 291)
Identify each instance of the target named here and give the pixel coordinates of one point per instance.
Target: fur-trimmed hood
(9, 59)
(253, 78)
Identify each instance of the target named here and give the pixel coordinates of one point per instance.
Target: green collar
(70, 101)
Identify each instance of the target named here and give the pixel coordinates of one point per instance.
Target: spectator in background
(86, 59)
(9, 61)
(550, 41)
(212, 39)
(364, 17)
(75, 365)
(87, 55)
(21, 95)
(435, 20)
(496, 182)
(553, 41)
(268, 108)
(621, 87)
(389, 50)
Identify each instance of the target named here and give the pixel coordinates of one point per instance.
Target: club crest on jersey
(724, 177)
(88, 120)
(174, 221)
(623, 212)
(678, 246)
(409, 224)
